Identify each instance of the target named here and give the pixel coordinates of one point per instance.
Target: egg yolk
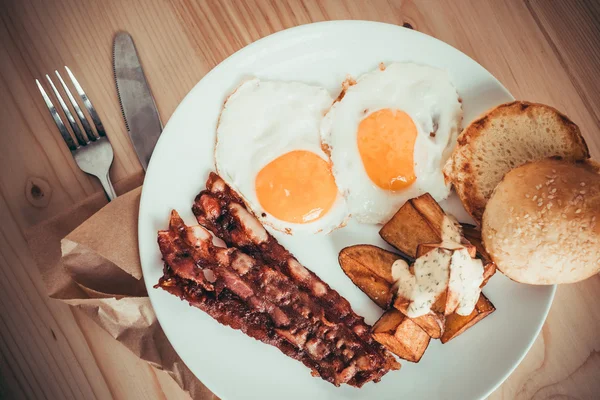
(296, 187)
(386, 141)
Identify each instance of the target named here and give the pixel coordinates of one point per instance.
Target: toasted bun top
(542, 223)
(504, 138)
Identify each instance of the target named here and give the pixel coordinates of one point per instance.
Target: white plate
(237, 367)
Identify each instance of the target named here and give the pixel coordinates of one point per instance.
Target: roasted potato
(489, 270)
(370, 268)
(420, 222)
(431, 211)
(414, 230)
(432, 323)
(458, 324)
(473, 235)
(401, 335)
(408, 228)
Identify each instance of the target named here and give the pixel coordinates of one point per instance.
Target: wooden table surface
(541, 50)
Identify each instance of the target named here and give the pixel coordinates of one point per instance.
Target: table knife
(137, 103)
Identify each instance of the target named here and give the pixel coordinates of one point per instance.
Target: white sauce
(447, 267)
(451, 233)
(466, 275)
(427, 284)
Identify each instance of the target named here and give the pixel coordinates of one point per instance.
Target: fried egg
(389, 134)
(269, 150)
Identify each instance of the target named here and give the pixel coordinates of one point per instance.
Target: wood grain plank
(10, 387)
(39, 337)
(574, 33)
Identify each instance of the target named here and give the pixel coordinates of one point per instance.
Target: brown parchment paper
(88, 258)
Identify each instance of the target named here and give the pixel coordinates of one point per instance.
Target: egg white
(261, 121)
(427, 95)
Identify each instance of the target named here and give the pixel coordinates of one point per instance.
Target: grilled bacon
(257, 286)
(221, 210)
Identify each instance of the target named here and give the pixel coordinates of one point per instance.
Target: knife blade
(137, 103)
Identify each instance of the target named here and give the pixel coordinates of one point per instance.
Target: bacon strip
(246, 294)
(221, 210)
(191, 284)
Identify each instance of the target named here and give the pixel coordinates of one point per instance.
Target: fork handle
(108, 187)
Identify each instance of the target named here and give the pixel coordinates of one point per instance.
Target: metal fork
(91, 150)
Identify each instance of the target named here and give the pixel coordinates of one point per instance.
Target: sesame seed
(534, 197)
(582, 183)
(582, 192)
(564, 215)
(527, 195)
(526, 216)
(549, 206)
(538, 187)
(578, 211)
(553, 171)
(553, 190)
(551, 197)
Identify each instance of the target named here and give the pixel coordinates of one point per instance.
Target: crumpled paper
(89, 259)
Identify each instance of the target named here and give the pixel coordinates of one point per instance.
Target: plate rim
(297, 30)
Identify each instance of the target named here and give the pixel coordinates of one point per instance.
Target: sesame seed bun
(542, 223)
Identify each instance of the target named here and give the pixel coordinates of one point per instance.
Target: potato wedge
(457, 324)
(407, 229)
(370, 268)
(431, 211)
(419, 221)
(401, 335)
(489, 270)
(473, 235)
(432, 323)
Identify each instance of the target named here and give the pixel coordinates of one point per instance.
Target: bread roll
(504, 138)
(542, 223)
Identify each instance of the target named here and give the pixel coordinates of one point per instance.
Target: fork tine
(82, 141)
(59, 123)
(87, 103)
(82, 119)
